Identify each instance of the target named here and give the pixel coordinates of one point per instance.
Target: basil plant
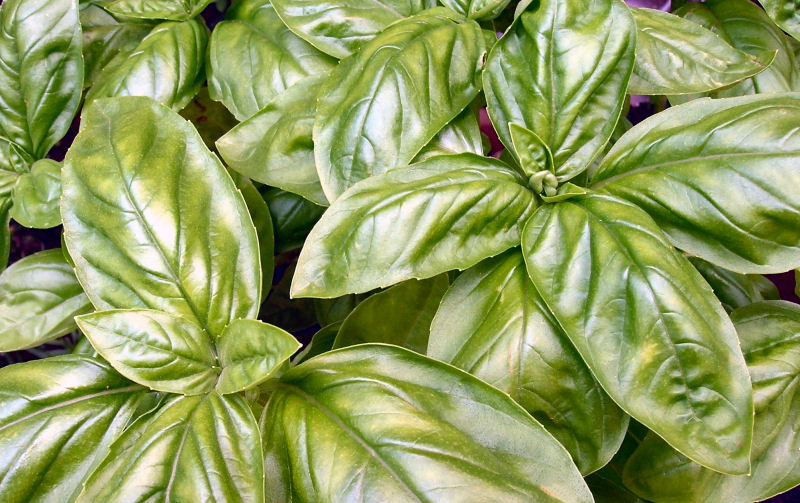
(577, 314)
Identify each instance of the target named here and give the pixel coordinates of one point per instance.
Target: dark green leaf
(330, 311)
(379, 108)
(58, 417)
(448, 212)
(561, 71)
(718, 176)
(153, 220)
(36, 196)
(262, 220)
(493, 324)
(176, 10)
(293, 217)
(5, 231)
(735, 290)
(381, 423)
(39, 296)
(321, 342)
(646, 324)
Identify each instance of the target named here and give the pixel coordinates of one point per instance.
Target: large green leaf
(168, 66)
(785, 14)
(275, 146)
(36, 195)
(340, 28)
(153, 220)
(477, 9)
(254, 57)
(493, 324)
(39, 296)
(250, 352)
(646, 324)
(381, 423)
(677, 56)
(58, 417)
(191, 449)
(561, 71)
(41, 71)
(735, 290)
(401, 315)
(448, 212)
(770, 337)
(379, 108)
(718, 176)
(176, 10)
(153, 348)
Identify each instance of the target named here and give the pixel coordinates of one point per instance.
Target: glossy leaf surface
(176, 10)
(340, 28)
(785, 14)
(250, 352)
(153, 220)
(262, 221)
(477, 9)
(646, 324)
(381, 423)
(321, 342)
(378, 109)
(461, 135)
(400, 315)
(718, 177)
(735, 290)
(677, 56)
(769, 333)
(413, 223)
(39, 296)
(13, 162)
(561, 71)
(36, 196)
(493, 324)
(167, 65)
(41, 71)
(58, 417)
(275, 145)
(191, 449)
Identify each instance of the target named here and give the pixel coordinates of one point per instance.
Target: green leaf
(482, 10)
(41, 71)
(330, 311)
(5, 231)
(493, 324)
(770, 338)
(155, 349)
(461, 135)
(646, 324)
(401, 315)
(341, 28)
(677, 56)
(39, 296)
(168, 66)
(786, 14)
(58, 417)
(176, 10)
(210, 118)
(250, 352)
(448, 212)
(153, 220)
(36, 196)
(274, 146)
(718, 176)
(379, 108)
(534, 156)
(735, 290)
(535, 77)
(293, 217)
(191, 449)
(14, 161)
(262, 220)
(381, 423)
(254, 57)
(321, 342)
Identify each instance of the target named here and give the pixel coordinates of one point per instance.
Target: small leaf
(321, 342)
(534, 156)
(179, 10)
(5, 231)
(735, 290)
(14, 161)
(460, 136)
(158, 350)
(39, 297)
(262, 221)
(36, 196)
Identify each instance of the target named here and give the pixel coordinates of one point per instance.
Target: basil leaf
(153, 220)
(413, 223)
(477, 9)
(493, 324)
(13, 162)
(534, 156)
(646, 324)
(406, 428)
(341, 28)
(570, 98)
(36, 196)
(769, 333)
(254, 57)
(677, 56)
(372, 114)
(41, 71)
(210, 118)
(321, 342)
(401, 315)
(180, 10)
(785, 14)
(168, 66)
(58, 417)
(275, 146)
(191, 449)
(735, 290)
(5, 231)
(718, 177)
(250, 352)
(461, 135)
(262, 220)
(39, 296)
